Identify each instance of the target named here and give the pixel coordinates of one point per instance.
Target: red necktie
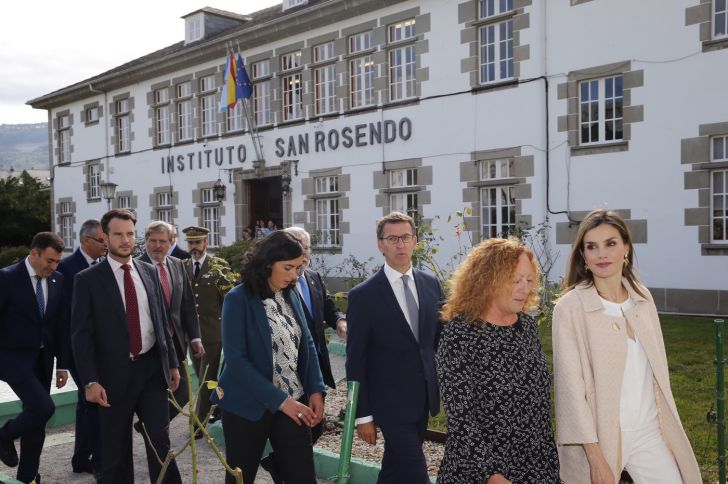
(132, 312)
(164, 279)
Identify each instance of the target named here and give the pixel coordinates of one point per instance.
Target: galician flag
(227, 97)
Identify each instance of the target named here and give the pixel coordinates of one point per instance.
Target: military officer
(206, 274)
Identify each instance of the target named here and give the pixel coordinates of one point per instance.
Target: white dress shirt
(395, 280)
(145, 315)
(33, 281)
(89, 260)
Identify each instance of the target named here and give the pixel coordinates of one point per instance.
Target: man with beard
(124, 355)
(87, 446)
(206, 273)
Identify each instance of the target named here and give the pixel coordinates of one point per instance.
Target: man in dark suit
(320, 311)
(180, 301)
(87, 445)
(174, 249)
(31, 323)
(393, 330)
(124, 353)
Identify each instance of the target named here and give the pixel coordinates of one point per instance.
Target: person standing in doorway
(393, 329)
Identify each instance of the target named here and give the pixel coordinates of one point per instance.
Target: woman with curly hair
(271, 386)
(614, 406)
(492, 372)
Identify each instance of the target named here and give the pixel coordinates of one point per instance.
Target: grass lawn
(690, 346)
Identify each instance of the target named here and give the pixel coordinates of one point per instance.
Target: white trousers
(647, 458)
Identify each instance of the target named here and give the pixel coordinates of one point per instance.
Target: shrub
(234, 254)
(11, 255)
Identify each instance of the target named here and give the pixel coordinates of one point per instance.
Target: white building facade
(516, 111)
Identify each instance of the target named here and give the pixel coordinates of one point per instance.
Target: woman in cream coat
(614, 405)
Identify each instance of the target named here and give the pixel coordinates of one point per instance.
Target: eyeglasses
(100, 241)
(395, 239)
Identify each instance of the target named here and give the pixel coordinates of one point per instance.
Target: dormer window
(194, 28)
(292, 3)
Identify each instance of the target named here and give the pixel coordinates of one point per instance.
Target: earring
(626, 259)
(587, 268)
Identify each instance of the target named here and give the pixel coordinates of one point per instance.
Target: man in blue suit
(31, 323)
(393, 330)
(87, 446)
(124, 354)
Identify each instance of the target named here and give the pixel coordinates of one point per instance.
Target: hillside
(24, 146)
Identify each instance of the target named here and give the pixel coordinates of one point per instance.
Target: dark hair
(116, 213)
(257, 267)
(88, 226)
(43, 240)
(395, 218)
(576, 270)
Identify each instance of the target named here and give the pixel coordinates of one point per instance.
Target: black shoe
(199, 435)
(8, 454)
(138, 427)
(269, 464)
(83, 466)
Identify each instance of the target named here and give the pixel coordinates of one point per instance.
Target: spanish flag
(227, 97)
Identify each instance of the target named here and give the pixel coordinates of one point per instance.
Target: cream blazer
(590, 350)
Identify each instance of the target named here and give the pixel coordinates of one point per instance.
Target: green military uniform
(208, 299)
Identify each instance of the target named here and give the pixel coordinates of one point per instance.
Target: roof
(220, 13)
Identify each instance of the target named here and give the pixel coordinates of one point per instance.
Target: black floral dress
(495, 386)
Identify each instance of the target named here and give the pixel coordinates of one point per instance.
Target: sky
(49, 44)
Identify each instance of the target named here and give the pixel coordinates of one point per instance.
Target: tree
(25, 205)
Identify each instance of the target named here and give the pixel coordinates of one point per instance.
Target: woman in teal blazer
(271, 386)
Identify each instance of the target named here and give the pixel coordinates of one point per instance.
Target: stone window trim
(199, 205)
(469, 17)
(522, 169)
(154, 202)
(381, 183)
(86, 187)
(307, 217)
(85, 112)
(696, 152)
(61, 214)
(701, 14)
(133, 200)
(569, 91)
(57, 133)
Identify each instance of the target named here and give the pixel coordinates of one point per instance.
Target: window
(402, 30)
(291, 61)
(491, 8)
(184, 111)
(208, 195)
(405, 203)
(403, 178)
(164, 206)
(92, 114)
(64, 138)
(719, 190)
(161, 116)
(234, 118)
(66, 224)
(93, 181)
(261, 92)
(194, 28)
(496, 52)
(402, 73)
(361, 71)
(292, 97)
(720, 19)
(497, 204)
(360, 42)
(323, 52)
(184, 89)
(123, 140)
(601, 103)
(123, 201)
(327, 222)
(208, 106)
(211, 221)
(327, 212)
(324, 79)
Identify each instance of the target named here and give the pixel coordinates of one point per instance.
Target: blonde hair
(484, 275)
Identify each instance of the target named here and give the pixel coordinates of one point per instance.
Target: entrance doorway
(265, 200)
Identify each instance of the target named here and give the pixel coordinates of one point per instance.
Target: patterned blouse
(495, 387)
(286, 335)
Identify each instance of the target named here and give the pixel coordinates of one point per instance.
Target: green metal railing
(720, 397)
(352, 395)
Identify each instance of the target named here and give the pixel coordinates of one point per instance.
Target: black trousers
(146, 395)
(33, 390)
(404, 460)
(87, 443)
(245, 441)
